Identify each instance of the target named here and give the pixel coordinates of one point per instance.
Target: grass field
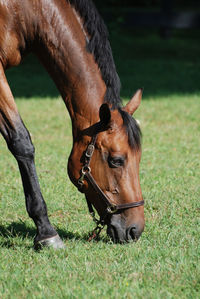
(165, 262)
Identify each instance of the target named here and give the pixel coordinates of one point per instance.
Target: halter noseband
(86, 174)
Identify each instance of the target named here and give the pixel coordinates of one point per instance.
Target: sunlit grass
(163, 264)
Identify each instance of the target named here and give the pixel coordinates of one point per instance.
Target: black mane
(132, 129)
(99, 46)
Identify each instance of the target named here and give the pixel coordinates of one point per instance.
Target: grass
(165, 261)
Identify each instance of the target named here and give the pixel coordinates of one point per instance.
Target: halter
(110, 207)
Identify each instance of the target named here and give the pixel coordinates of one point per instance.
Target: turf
(165, 261)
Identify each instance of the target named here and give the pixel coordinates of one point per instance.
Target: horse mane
(133, 130)
(99, 46)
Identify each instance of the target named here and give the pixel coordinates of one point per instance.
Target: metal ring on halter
(83, 172)
(85, 169)
(112, 209)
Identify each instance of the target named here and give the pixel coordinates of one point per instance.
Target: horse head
(114, 168)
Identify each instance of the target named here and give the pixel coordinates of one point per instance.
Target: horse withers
(71, 40)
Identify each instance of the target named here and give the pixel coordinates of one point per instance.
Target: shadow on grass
(22, 231)
(143, 59)
(30, 79)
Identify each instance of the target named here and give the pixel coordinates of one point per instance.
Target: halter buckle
(89, 151)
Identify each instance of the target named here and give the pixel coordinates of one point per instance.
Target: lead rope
(96, 232)
(100, 224)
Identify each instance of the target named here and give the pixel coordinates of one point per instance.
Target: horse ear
(134, 103)
(105, 114)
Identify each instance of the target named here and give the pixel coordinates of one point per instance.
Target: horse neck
(62, 50)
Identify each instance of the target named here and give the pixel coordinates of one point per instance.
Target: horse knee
(37, 209)
(20, 144)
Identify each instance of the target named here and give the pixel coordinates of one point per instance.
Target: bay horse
(71, 40)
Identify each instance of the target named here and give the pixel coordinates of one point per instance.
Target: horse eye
(115, 162)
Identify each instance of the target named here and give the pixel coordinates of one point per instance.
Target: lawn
(165, 262)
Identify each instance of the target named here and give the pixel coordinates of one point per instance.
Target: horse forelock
(98, 44)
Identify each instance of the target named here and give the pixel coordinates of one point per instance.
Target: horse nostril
(132, 233)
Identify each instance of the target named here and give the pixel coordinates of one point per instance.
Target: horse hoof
(53, 242)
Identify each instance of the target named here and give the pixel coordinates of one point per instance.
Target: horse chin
(116, 232)
(115, 235)
(120, 236)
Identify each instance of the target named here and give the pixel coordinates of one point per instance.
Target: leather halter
(86, 174)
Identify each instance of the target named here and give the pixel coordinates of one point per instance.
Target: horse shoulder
(9, 39)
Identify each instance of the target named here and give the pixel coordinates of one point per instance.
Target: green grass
(164, 263)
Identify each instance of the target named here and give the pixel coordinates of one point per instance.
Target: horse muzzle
(119, 233)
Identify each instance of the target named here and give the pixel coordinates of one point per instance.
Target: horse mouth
(118, 235)
(112, 233)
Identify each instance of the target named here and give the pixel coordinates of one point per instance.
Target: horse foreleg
(20, 144)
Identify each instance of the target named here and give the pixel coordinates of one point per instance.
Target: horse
(71, 40)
